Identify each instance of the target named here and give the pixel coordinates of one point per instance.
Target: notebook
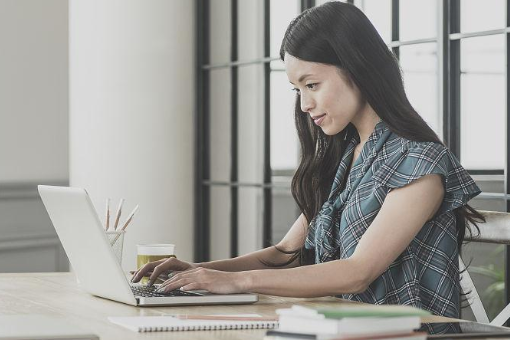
(170, 323)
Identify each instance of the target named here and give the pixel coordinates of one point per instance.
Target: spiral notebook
(173, 323)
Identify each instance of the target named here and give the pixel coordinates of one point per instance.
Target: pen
(107, 223)
(119, 212)
(130, 217)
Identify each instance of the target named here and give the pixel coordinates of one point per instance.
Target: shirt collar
(372, 140)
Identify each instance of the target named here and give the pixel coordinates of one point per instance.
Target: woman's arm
(293, 240)
(402, 215)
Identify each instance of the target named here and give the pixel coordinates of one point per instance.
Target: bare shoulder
(429, 190)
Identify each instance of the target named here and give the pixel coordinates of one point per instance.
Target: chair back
(496, 230)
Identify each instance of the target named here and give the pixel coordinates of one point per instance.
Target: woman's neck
(365, 123)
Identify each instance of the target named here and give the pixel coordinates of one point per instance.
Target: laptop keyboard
(150, 291)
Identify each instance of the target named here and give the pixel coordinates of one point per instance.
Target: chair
(495, 230)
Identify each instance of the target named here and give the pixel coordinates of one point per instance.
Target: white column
(131, 114)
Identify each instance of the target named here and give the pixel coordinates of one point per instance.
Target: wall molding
(25, 190)
(31, 241)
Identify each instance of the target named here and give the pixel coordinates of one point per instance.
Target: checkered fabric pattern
(426, 274)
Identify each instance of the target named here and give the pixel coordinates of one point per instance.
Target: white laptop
(95, 265)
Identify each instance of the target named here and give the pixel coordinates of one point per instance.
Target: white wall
(131, 114)
(33, 91)
(33, 130)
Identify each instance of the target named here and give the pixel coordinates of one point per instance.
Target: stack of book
(350, 322)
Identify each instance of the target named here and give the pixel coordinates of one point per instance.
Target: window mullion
(234, 168)
(267, 222)
(395, 26)
(202, 159)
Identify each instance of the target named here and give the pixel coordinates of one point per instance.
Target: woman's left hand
(214, 281)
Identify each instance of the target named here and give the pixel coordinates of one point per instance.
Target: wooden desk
(57, 294)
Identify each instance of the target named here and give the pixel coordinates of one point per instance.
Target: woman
(383, 201)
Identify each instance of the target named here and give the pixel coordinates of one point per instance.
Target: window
(247, 148)
(453, 56)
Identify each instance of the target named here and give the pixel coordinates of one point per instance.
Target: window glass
(285, 212)
(477, 15)
(249, 219)
(219, 123)
(220, 31)
(277, 65)
(284, 140)
(419, 65)
(483, 102)
(379, 13)
(281, 14)
(250, 123)
(320, 2)
(250, 22)
(219, 222)
(418, 19)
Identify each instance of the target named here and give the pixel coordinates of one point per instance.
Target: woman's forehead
(298, 69)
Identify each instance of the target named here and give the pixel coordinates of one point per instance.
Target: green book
(371, 311)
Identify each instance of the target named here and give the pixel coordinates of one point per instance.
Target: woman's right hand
(164, 266)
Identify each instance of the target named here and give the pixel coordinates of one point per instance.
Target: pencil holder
(116, 240)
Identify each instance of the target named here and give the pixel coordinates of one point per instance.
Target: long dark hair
(340, 34)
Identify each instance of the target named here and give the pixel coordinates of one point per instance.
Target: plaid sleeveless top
(426, 274)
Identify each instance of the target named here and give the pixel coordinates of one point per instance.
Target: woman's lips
(318, 119)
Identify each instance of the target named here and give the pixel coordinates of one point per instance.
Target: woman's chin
(332, 130)
(328, 133)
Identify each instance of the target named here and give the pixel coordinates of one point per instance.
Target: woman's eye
(296, 90)
(311, 86)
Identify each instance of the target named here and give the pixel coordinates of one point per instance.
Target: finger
(145, 269)
(180, 265)
(194, 270)
(174, 276)
(171, 286)
(133, 278)
(163, 266)
(174, 285)
(177, 277)
(180, 279)
(171, 278)
(185, 272)
(134, 272)
(191, 286)
(161, 278)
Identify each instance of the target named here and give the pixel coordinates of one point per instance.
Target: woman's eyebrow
(302, 77)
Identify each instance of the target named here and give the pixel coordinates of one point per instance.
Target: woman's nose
(307, 103)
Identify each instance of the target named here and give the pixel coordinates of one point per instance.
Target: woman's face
(325, 94)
